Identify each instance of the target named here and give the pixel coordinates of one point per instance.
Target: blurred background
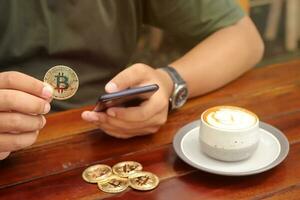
(278, 22)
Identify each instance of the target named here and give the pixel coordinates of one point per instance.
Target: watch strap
(177, 82)
(174, 75)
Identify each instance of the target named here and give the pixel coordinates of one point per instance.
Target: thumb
(127, 78)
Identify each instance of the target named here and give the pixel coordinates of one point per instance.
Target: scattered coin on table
(120, 177)
(96, 173)
(126, 168)
(64, 81)
(114, 184)
(143, 181)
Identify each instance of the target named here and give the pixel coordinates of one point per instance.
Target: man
(96, 38)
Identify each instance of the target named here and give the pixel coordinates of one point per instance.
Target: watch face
(181, 97)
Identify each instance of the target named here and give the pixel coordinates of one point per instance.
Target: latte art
(230, 118)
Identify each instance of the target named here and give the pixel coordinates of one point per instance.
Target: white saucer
(272, 150)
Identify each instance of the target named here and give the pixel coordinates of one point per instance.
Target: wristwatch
(180, 91)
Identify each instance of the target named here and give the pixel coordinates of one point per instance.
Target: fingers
(123, 134)
(18, 122)
(22, 102)
(102, 118)
(13, 142)
(25, 83)
(20, 92)
(30, 98)
(3, 155)
(132, 121)
(124, 129)
(140, 113)
(129, 77)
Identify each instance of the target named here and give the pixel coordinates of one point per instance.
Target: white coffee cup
(229, 133)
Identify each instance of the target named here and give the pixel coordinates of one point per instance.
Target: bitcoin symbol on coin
(126, 168)
(61, 82)
(96, 173)
(64, 81)
(143, 181)
(114, 184)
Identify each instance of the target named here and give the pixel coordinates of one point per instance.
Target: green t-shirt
(97, 37)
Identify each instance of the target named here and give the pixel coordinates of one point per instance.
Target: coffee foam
(230, 118)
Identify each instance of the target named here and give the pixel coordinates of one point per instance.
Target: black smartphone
(125, 98)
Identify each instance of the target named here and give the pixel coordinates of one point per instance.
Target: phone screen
(126, 98)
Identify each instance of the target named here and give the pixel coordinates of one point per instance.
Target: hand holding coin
(23, 102)
(63, 80)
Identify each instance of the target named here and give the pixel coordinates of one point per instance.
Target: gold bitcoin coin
(126, 168)
(63, 80)
(114, 184)
(143, 181)
(96, 173)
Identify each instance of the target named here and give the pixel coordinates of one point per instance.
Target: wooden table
(51, 169)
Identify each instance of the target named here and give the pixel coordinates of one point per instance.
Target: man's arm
(220, 58)
(217, 60)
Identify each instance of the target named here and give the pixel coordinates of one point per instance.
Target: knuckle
(36, 84)
(10, 78)
(31, 140)
(162, 120)
(152, 130)
(141, 68)
(22, 142)
(36, 124)
(15, 121)
(39, 106)
(9, 98)
(41, 122)
(143, 115)
(18, 143)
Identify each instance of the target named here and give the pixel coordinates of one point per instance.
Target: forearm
(220, 58)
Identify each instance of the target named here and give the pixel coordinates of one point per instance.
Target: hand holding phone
(125, 98)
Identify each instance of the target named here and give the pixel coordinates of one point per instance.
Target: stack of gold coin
(121, 176)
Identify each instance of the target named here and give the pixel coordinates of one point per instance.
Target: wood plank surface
(178, 180)
(92, 146)
(51, 169)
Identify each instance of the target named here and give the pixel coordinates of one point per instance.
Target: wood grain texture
(86, 149)
(178, 180)
(56, 129)
(51, 169)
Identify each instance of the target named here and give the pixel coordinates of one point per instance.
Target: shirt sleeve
(191, 19)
